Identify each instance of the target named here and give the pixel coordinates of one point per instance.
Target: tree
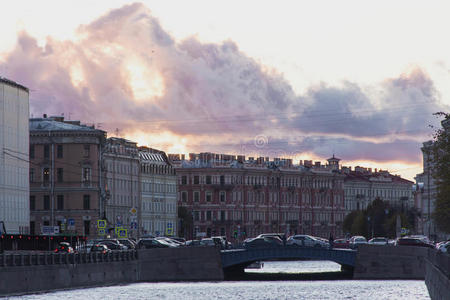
(185, 219)
(348, 221)
(440, 158)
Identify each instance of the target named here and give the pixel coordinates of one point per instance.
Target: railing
(50, 258)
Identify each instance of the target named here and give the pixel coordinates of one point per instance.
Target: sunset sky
(294, 79)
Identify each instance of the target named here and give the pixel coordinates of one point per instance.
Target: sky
(294, 79)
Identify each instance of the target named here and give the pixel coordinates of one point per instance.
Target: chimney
(45, 116)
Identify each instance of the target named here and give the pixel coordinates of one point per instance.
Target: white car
(306, 241)
(357, 240)
(444, 247)
(378, 241)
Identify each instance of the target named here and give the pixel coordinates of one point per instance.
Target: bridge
(236, 260)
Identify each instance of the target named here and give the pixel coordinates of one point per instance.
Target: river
(318, 289)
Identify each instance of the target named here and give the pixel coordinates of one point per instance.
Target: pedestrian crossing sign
(123, 233)
(101, 232)
(101, 223)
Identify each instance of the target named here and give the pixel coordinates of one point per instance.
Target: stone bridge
(236, 260)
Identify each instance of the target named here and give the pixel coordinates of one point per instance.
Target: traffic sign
(50, 230)
(133, 210)
(101, 223)
(101, 231)
(169, 228)
(122, 233)
(117, 228)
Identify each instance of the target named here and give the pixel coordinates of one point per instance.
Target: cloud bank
(125, 71)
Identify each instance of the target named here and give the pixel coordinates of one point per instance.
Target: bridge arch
(235, 261)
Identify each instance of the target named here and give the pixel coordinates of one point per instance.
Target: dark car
(149, 243)
(64, 247)
(413, 242)
(129, 243)
(100, 248)
(113, 244)
(263, 242)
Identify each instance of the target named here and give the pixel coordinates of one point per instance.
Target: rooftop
(13, 83)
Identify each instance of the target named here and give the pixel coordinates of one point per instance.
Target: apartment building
(122, 195)
(158, 212)
(237, 197)
(14, 186)
(362, 186)
(65, 179)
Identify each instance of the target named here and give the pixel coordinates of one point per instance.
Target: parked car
(148, 243)
(165, 240)
(64, 247)
(279, 235)
(100, 248)
(306, 241)
(127, 242)
(409, 241)
(193, 243)
(262, 242)
(207, 242)
(357, 240)
(113, 244)
(444, 247)
(378, 241)
(341, 243)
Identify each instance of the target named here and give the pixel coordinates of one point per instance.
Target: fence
(35, 259)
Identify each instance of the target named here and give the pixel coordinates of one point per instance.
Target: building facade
(122, 188)
(158, 213)
(426, 192)
(362, 186)
(65, 179)
(230, 196)
(14, 185)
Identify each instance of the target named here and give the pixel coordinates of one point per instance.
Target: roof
(48, 124)
(149, 157)
(13, 83)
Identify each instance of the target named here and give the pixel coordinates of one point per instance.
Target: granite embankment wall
(25, 273)
(390, 262)
(404, 262)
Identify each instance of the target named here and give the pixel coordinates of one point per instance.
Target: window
(59, 174)
(208, 215)
(46, 223)
(222, 179)
(87, 150)
(87, 224)
(222, 196)
(208, 179)
(86, 175)
(196, 180)
(222, 215)
(31, 175)
(31, 151)
(86, 202)
(196, 196)
(60, 202)
(196, 216)
(184, 180)
(59, 151)
(46, 202)
(32, 202)
(183, 196)
(208, 196)
(32, 228)
(46, 175)
(46, 151)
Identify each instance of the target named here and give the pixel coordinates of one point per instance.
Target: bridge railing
(50, 258)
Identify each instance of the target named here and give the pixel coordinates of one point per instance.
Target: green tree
(359, 226)
(440, 158)
(185, 219)
(348, 221)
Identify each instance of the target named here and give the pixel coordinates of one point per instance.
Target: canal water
(317, 289)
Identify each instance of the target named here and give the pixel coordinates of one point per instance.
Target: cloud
(125, 71)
